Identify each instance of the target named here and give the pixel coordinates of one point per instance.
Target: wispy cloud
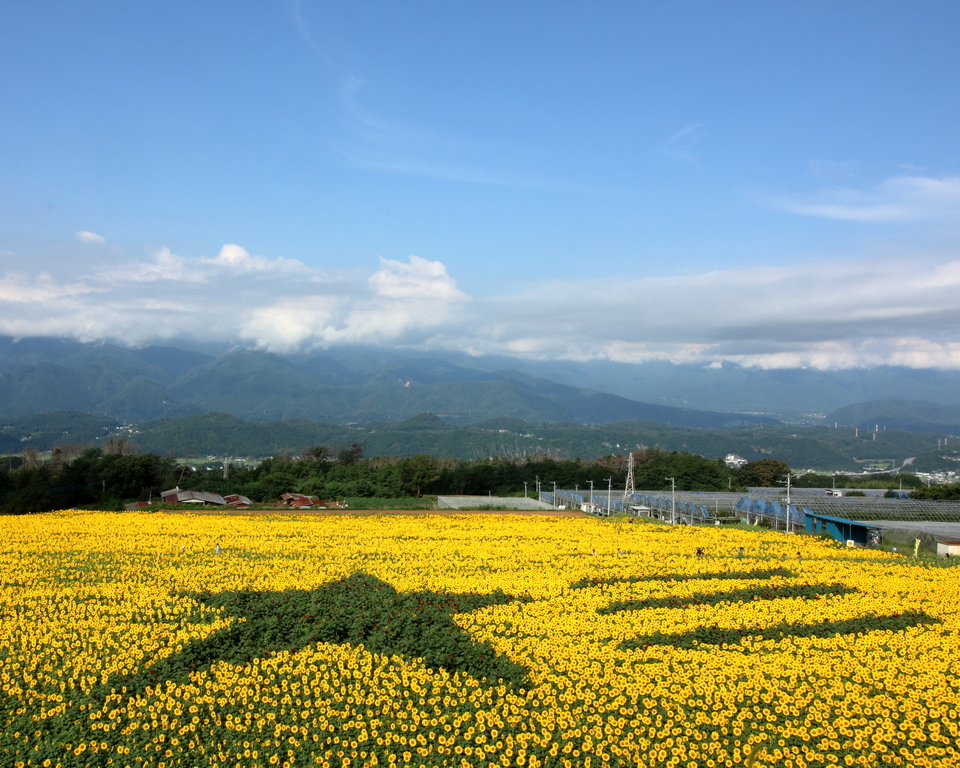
(303, 28)
(680, 145)
(371, 138)
(90, 237)
(902, 311)
(231, 261)
(832, 170)
(373, 141)
(901, 198)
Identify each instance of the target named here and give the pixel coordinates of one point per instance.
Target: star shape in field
(358, 610)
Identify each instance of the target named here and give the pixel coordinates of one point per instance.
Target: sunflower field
(158, 640)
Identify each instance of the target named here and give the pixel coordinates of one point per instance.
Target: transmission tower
(628, 489)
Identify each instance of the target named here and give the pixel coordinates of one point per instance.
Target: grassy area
(427, 502)
(490, 508)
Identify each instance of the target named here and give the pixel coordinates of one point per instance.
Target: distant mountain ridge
(909, 415)
(786, 393)
(135, 385)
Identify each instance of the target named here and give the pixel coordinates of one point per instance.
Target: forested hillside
(221, 435)
(822, 448)
(135, 385)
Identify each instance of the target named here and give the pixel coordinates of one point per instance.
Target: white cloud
(165, 266)
(26, 289)
(235, 258)
(900, 311)
(401, 303)
(90, 237)
(275, 303)
(419, 278)
(231, 261)
(901, 198)
(829, 315)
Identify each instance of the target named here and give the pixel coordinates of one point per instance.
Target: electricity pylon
(628, 489)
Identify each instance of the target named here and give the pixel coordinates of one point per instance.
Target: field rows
(465, 640)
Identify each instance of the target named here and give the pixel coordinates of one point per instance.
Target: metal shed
(841, 529)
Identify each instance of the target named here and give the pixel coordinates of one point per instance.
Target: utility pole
(591, 497)
(555, 505)
(524, 489)
(673, 500)
(609, 493)
(788, 501)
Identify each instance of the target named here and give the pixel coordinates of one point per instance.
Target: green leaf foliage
(805, 591)
(357, 610)
(713, 635)
(764, 573)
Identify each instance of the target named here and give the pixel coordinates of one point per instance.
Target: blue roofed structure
(841, 529)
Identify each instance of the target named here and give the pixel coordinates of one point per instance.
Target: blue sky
(770, 183)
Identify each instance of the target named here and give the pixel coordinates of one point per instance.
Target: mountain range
(243, 402)
(133, 385)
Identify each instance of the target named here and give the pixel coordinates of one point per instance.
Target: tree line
(118, 474)
(106, 479)
(892, 481)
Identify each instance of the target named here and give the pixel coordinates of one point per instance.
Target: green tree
(133, 477)
(350, 455)
(32, 494)
(689, 471)
(765, 473)
(947, 492)
(418, 472)
(315, 453)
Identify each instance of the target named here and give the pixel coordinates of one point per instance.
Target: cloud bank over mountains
(820, 315)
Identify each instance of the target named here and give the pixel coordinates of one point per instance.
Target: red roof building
(301, 501)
